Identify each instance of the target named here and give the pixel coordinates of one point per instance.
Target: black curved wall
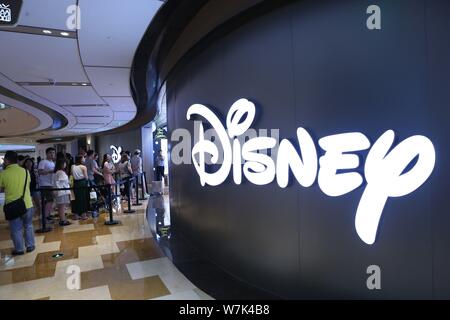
(315, 64)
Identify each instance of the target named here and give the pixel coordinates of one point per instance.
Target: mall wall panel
(315, 64)
(129, 140)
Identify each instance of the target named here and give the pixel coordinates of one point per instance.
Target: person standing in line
(60, 155)
(159, 166)
(92, 167)
(62, 197)
(82, 152)
(14, 180)
(92, 170)
(108, 170)
(69, 163)
(20, 160)
(46, 170)
(35, 196)
(98, 178)
(80, 180)
(125, 174)
(136, 167)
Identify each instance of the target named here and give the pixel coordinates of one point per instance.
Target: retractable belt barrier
(111, 221)
(119, 182)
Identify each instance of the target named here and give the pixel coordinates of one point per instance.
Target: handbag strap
(25, 185)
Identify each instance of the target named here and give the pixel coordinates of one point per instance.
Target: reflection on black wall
(130, 140)
(319, 67)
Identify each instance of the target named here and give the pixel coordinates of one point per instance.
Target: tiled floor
(116, 262)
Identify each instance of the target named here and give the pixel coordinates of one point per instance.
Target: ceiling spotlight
(47, 31)
(74, 84)
(65, 34)
(84, 84)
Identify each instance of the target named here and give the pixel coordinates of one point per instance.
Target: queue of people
(62, 171)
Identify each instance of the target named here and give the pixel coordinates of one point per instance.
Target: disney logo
(385, 168)
(116, 153)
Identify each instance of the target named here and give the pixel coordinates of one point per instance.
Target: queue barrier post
(116, 184)
(143, 188)
(144, 174)
(44, 227)
(111, 220)
(128, 182)
(136, 191)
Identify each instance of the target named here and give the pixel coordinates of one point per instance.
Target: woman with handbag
(80, 183)
(62, 197)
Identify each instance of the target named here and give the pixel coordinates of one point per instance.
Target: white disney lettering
(384, 168)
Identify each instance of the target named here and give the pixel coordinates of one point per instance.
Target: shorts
(46, 194)
(63, 199)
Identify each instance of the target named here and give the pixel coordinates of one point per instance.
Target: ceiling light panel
(50, 14)
(93, 111)
(113, 44)
(87, 126)
(124, 116)
(65, 95)
(110, 82)
(28, 58)
(94, 120)
(121, 103)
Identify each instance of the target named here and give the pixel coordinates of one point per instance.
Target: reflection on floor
(116, 262)
(193, 263)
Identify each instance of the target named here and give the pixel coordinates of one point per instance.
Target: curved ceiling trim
(58, 121)
(181, 29)
(82, 73)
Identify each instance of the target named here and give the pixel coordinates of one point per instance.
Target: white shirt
(160, 161)
(136, 164)
(77, 173)
(61, 181)
(46, 180)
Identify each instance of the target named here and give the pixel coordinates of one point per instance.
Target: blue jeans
(17, 227)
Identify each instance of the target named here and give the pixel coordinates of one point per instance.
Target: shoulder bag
(16, 208)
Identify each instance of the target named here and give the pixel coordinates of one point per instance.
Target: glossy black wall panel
(351, 79)
(130, 141)
(438, 48)
(316, 65)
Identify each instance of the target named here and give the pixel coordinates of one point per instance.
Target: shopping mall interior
(224, 150)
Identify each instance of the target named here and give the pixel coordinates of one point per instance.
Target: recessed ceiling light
(74, 84)
(84, 84)
(47, 31)
(65, 34)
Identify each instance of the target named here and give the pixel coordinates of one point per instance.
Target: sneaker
(30, 249)
(64, 223)
(17, 253)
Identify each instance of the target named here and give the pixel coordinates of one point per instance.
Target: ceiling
(83, 74)
(14, 120)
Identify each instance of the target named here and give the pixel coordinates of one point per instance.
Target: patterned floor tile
(115, 262)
